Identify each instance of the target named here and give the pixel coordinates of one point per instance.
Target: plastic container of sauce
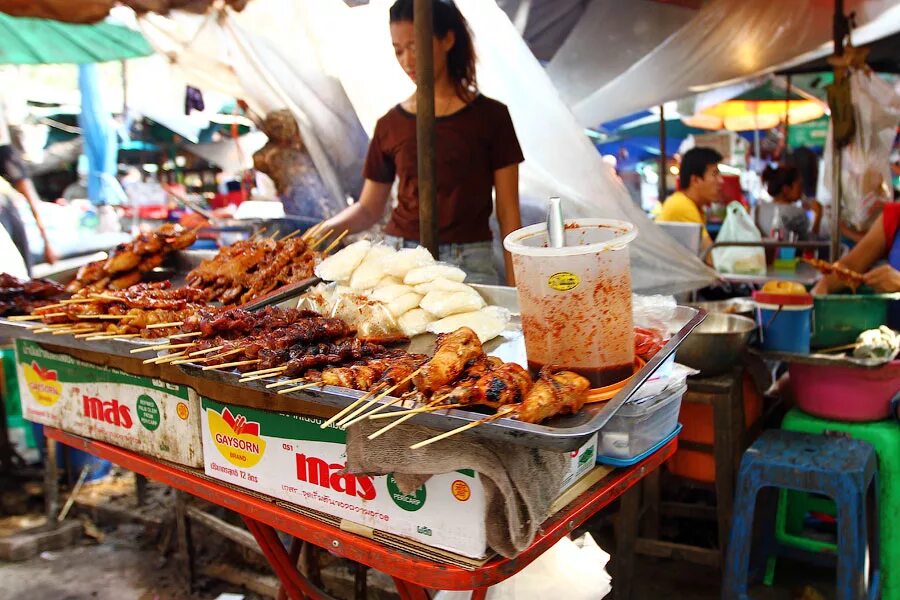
(575, 301)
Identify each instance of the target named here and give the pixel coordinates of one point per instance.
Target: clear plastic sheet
(725, 42)
(865, 162)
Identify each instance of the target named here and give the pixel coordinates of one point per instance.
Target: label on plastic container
(563, 281)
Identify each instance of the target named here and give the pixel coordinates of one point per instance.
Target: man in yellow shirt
(700, 184)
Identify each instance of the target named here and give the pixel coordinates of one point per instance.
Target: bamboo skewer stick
(190, 359)
(334, 243)
(314, 244)
(375, 411)
(409, 415)
(261, 371)
(207, 351)
(286, 382)
(165, 346)
(312, 230)
(35, 317)
(49, 328)
(239, 363)
(179, 336)
(164, 358)
(75, 301)
(164, 325)
(290, 235)
(301, 387)
(102, 317)
(347, 420)
(352, 405)
(500, 413)
(116, 336)
(261, 375)
(75, 329)
(87, 334)
(430, 407)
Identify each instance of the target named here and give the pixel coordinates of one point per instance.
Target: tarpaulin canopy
(27, 41)
(724, 42)
(92, 11)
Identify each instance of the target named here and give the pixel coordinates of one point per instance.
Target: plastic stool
(840, 468)
(793, 506)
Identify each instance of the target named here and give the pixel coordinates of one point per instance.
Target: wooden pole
(787, 117)
(425, 144)
(663, 173)
(841, 28)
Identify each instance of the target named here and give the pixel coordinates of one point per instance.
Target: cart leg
(185, 549)
(410, 591)
(479, 593)
(626, 536)
(296, 586)
(140, 488)
(360, 580)
(293, 555)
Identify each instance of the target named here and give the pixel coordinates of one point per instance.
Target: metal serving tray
(564, 433)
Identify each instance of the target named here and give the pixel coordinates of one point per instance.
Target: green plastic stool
(793, 506)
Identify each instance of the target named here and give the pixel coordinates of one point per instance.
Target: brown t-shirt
(472, 143)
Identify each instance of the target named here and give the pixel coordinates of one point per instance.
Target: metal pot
(745, 307)
(716, 344)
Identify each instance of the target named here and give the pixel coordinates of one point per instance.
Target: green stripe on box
(70, 370)
(282, 425)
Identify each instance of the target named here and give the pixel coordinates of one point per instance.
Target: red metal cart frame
(412, 575)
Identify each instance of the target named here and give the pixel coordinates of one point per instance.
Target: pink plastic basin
(845, 393)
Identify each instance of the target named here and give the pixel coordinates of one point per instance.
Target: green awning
(26, 41)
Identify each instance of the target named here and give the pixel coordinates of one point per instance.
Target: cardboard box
(146, 415)
(290, 457)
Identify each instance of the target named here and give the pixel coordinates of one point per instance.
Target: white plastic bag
(865, 164)
(574, 570)
(739, 227)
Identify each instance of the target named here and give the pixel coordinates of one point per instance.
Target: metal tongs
(556, 227)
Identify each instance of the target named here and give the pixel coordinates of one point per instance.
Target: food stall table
(412, 575)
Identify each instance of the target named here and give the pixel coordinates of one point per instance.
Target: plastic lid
(784, 299)
(621, 233)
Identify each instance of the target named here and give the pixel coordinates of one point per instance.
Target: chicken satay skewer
(352, 416)
(509, 408)
(352, 405)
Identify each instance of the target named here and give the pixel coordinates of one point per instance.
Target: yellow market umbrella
(764, 107)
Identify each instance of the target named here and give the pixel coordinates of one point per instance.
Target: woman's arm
(814, 206)
(364, 213)
(870, 249)
(506, 184)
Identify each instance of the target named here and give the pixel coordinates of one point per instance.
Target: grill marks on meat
(130, 262)
(250, 269)
(554, 393)
(453, 352)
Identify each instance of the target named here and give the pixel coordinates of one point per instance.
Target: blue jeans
(476, 259)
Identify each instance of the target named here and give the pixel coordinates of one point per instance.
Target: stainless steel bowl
(745, 307)
(716, 344)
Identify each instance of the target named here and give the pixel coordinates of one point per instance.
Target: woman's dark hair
(694, 162)
(461, 57)
(778, 179)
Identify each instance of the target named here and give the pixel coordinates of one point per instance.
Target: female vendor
(476, 146)
(880, 243)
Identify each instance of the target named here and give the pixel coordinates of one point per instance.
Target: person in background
(476, 146)
(13, 170)
(789, 204)
(881, 242)
(700, 185)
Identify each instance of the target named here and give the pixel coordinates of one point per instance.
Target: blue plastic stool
(840, 468)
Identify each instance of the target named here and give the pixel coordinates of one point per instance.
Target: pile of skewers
(146, 310)
(250, 269)
(306, 350)
(21, 297)
(131, 263)
(853, 279)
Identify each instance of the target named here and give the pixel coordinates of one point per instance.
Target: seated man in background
(700, 184)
